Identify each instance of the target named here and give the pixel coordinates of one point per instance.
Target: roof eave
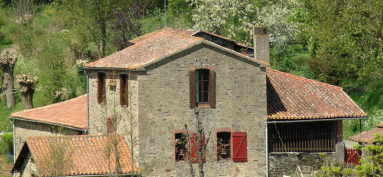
(202, 41)
(50, 123)
(314, 120)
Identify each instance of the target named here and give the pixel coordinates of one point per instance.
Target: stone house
(64, 118)
(255, 118)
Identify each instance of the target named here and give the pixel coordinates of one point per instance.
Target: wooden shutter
(123, 90)
(101, 87)
(192, 88)
(239, 146)
(212, 88)
(194, 147)
(110, 125)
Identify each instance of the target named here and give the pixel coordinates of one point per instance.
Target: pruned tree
(26, 83)
(7, 64)
(201, 144)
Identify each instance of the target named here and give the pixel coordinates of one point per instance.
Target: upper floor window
(202, 88)
(101, 87)
(124, 90)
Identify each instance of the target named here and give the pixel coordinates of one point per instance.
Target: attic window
(101, 87)
(202, 88)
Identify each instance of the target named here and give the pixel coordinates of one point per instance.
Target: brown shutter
(239, 146)
(101, 87)
(212, 88)
(192, 88)
(123, 90)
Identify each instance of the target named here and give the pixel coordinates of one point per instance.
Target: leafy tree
(371, 163)
(345, 40)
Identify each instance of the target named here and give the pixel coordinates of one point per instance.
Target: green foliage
(371, 163)
(6, 143)
(345, 40)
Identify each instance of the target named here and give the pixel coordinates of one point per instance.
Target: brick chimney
(261, 44)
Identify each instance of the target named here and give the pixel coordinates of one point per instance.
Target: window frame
(211, 88)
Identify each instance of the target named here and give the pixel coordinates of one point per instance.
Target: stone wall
(126, 115)
(164, 108)
(286, 163)
(24, 129)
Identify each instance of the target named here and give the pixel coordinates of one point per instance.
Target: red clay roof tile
(83, 154)
(73, 113)
(294, 97)
(367, 137)
(146, 51)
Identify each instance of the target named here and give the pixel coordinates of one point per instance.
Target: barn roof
(77, 155)
(291, 97)
(72, 113)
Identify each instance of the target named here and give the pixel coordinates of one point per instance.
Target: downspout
(267, 152)
(87, 100)
(14, 147)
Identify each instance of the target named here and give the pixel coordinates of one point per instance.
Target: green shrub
(6, 143)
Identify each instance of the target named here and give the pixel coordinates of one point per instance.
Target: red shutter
(239, 146)
(192, 88)
(123, 90)
(212, 88)
(110, 125)
(194, 147)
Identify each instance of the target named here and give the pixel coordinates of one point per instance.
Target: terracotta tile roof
(380, 125)
(84, 154)
(71, 113)
(150, 49)
(294, 97)
(367, 136)
(189, 32)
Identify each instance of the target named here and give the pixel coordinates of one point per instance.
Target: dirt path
(5, 168)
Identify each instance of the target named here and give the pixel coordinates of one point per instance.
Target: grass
(5, 168)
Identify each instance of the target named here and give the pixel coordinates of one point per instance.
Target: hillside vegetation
(334, 42)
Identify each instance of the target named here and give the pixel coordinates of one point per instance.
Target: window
(123, 90)
(101, 87)
(223, 145)
(180, 147)
(110, 125)
(202, 88)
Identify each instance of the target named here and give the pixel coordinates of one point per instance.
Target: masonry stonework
(24, 129)
(287, 162)
(164, 105)
(125, 115)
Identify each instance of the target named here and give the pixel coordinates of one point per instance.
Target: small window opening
(180, 147)
(223, 145)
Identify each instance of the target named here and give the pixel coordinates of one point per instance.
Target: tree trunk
(199, 144)
(7, 64)
(26, 83)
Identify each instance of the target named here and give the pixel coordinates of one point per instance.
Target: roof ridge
(303, 78)
(72, 136)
